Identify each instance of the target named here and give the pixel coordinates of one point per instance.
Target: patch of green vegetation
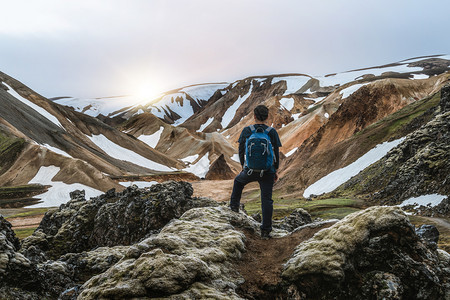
(395, 123)
(30, 212)
(10, 149)
(11, 192)
(23, 233)
(331, 208)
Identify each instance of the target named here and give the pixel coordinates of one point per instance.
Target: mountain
(44, 141)
(98, 142)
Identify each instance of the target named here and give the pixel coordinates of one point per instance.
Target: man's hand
(275, 178)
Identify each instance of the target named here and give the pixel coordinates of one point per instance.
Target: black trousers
(266, 186)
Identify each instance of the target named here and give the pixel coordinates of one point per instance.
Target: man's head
(261, 113)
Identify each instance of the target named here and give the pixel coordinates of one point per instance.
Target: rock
(445, 98)
(369, 254)
(296, 219)
(109, 220)
(20, 278)
(190, 258)
(430, 234)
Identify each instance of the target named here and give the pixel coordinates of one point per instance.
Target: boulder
(111, 219)
(297, 218)
(190, 258)
(371, 254)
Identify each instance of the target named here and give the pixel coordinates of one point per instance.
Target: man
(265, 178)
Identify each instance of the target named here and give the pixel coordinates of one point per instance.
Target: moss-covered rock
(190, 257)
(111, 219)
(376, 245)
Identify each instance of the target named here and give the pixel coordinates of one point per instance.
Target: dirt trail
(261, 265)
(26, 222)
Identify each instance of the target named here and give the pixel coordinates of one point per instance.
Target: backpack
(258, 150)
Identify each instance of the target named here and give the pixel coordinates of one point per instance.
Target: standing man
(259, 156)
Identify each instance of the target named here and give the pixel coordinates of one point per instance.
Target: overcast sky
(94, 48)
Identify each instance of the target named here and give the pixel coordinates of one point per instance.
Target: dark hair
(261, 112)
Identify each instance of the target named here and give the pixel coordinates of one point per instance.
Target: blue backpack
(258, 150)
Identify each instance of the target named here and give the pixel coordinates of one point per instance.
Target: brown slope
(334, 145)
(23, 121)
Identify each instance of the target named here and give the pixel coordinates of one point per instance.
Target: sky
(86, 48)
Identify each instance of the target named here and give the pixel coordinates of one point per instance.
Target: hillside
(94, 144)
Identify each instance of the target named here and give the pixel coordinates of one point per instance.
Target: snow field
(119, 152)
(37, 108)
(59, 191)
(140, 184)
(97, 106)
(229, 114)
(331, 181)
(152, 139)
(57, 150)
(351, 89)
(291, 152)
(293, 83)
(432, 200)
(206, 124)
(287, 103)
(204, 92)
(200, 168)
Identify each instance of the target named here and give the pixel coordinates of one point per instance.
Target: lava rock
(429, 233)
(297, 218)
(370, 254)
(109, 220)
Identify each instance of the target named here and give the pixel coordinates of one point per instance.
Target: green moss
(20, 191)
(30, 212)
(23, 233)
(323, 208)
(10, 148)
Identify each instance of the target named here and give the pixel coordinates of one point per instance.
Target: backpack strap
(252, 128)
(268, 129)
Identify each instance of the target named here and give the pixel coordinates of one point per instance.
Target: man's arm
(242, 153)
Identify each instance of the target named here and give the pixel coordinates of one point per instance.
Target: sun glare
(146, 92)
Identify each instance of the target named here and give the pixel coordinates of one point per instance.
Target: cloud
(102, 47)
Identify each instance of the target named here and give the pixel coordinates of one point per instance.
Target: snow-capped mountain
(318, 118)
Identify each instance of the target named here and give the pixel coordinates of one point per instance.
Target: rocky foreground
(161, 242)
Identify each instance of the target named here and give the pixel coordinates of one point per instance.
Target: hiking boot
(235, 209)
(265, 235)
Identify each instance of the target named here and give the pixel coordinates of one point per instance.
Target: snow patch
(326, 115)
(57, 150)
(96, 106)
(425, 200)
(59, 191)
(203, 126)
(291, 152)
(420, 76)
(331, 181)
(351, 89)
(140, 184)
(36, 107)
(293, 83)
(119, 152)
(229, 114)
(203, 92)
(152, 139)
(287, 103)
(190, 159)
(235, 157)
(200, 168)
